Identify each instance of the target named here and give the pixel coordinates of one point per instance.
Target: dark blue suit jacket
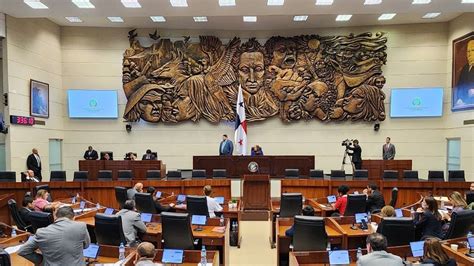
(228, 148)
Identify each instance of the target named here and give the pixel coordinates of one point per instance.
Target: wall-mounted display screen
(420, 102)
(92, 103)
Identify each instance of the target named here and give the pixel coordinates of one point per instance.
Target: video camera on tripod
(346, 143)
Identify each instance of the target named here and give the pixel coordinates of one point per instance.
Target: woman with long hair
(427, 219)
(435, 255)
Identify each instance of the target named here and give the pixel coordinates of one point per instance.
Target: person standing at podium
(226, 147)
(388, 150)
(91, 154)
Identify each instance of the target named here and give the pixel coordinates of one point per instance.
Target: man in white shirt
(212, 204)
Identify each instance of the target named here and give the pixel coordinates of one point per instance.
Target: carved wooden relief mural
(306, 77)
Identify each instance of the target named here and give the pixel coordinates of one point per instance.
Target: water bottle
(328, 248)
(221, 220)
(97, 205)
(469, 235)
(359, 253)
(412, 211)
(369, 217)
(13, 232)
(73, 200)
(203, 256)
(121, 252)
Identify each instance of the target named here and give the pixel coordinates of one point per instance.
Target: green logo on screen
(416, 102)
(93, 103)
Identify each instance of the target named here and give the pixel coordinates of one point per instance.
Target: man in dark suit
(91, 154)
(226, 147)
(148, 155)
(388, 150)
(375, 200)
(465, 87)
(26, 209)
(356, 154)
(33, 162)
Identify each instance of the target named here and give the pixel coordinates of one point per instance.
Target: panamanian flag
(240, 125)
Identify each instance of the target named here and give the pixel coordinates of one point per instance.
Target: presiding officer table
(139, 168)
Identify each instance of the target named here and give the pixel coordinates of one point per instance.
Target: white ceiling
(230, 18)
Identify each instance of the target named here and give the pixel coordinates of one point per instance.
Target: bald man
(138, 188)
(465, 86)
(146, 253)
(33, 162)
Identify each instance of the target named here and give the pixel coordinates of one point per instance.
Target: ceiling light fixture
(431, 15)
(227, 2)
(324, 2)
(372, 2)
(131, 4)
(387, 16)
(343, 17)
(420, 2)
(83, 3)
(74, 19)
(275, 2)
(158, 18)
(35, 4)
(115, 19)
(250, 19)
(300, 18)
(200, 19)
(179, 3)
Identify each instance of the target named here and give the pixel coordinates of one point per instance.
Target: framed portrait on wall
(39, 99)
(463, 73)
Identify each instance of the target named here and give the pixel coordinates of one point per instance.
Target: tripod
(346, 154)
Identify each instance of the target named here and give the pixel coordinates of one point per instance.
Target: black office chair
(390, 175)
(291, 204)
(219, 173)
(121, 196)
(153, 174)
(469, 197)
(108, 230)
(197, 205)
(338, 175)
(310, 234)
(393, 200)
(316, 174)
(173, 175)
(356, 203)
(460, 224)
(144, 203)
(4, 258)
(456, 175)
(436, 176)
(44, 187)
(104, 175)
(176, 231)
(57, 176)
(80, 176)
(198, 174)
(292, 173)
(360, 174)
(398, 231)
(40, 220)
(7, 176)
(16, 216)
(410, 175)
(124, 175)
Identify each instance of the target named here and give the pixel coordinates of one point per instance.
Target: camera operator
(356, 154)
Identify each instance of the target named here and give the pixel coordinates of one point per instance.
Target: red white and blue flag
(240, 125)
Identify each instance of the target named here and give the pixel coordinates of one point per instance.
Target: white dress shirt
(213, 206)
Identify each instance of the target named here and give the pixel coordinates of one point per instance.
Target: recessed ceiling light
(431, 15)
(131, 4)
(300, 18)
(372, 2)
(74, 19)
(158, 18)
(115, 19)
(179, 3)
(200, 19)
(420, 2)
(83, 3)
(250, 19)
(467, 2)
(343, 17)
(324, 2)
(275, 2)
(35, 4)
(387, 16)
(227, 2)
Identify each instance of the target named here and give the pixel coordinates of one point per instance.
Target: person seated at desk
(91, 154)
(60, 243)
(427, 219)
(256, 151)
(138, 188)
(130, 156)
(107, 157)
(30, 176)
(459, 204)
(434, 254)
(212, 204)
(341, 202)
(159, 208)
(41, 204)
(387, 211)
(131, 223)
(145, 254)
(307, 211)
(27, 207)
(148, 155)
(375, 200)
(377, 253)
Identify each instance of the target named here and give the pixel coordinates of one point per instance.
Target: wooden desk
(190, 258)
(139, 168)
(7, 231)
(5, 216)
(459, 255)
(237, 166)
(353, 238)
(376, 167)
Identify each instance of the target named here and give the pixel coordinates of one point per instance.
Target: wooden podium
(256, 197)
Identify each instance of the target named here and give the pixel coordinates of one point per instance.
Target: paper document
(14, 249)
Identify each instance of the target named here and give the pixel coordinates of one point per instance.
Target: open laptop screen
(337, 257)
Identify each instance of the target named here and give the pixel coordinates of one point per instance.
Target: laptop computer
(158, 194)
(398, 213)
(172, 256)
(470, 240)
(417, 248)
(91, 252)
(146, 217)
(339, 257)
(331, 199)
(360, 216)
(198, 219)
(109, 211)
(181, 199)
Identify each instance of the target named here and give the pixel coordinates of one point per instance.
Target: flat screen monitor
(181, 198)
(417, 248)
(338, 257)
(109, 211)
(416, 102)
(158, 194)
(219, 200)
(92, 103)
(332, 198)
(398, 213)
(172, 256)
(146, 217)
(198, 219)
(91, 252)
(360, 216)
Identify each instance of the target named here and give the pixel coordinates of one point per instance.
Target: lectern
(256, 192)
